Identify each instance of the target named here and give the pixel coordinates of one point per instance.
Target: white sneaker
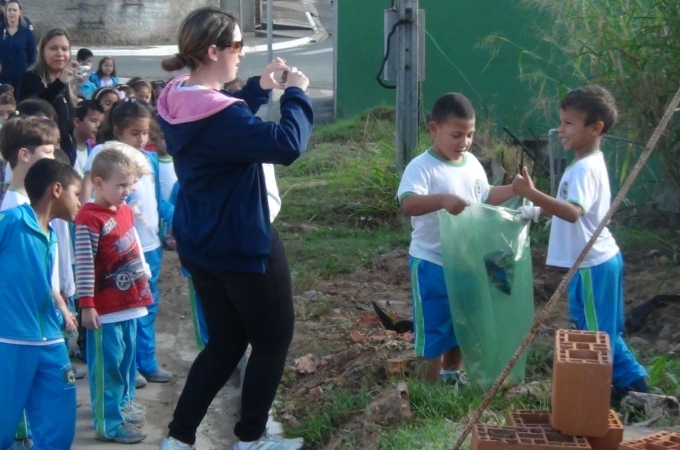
(171, 443)
(268, 442)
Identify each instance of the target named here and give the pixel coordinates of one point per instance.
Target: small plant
(663, 375)
(307, 308)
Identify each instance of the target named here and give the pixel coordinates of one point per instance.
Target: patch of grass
(337, 250)
(375, 125)
(340, 206)
(435, 434)
(539, 360)
(441, 412)
(333, 409)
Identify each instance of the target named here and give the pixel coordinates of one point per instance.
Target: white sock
(243, 445)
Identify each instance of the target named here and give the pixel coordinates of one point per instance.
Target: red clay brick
(582, 376)
(578, 336)
(486, 437)
(663, 440)
(528, 418)
(614, 435)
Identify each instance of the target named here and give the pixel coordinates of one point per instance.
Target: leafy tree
(632, 47)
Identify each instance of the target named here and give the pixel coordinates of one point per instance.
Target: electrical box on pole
(404, 27)
(389, 72)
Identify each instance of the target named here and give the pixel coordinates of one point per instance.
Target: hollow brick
(528, 418)
(614, 435)
(582, 375)
(663, 440)
(486, 437)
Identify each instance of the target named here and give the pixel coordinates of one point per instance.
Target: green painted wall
(454, 59)
(456, 62)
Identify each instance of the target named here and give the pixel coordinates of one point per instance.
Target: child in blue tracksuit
(34, 362)
(129, 121)
(583, 199)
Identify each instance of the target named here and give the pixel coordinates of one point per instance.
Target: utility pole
(408, 76)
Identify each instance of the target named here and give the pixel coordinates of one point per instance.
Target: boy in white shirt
(583, 199)
(445, 177)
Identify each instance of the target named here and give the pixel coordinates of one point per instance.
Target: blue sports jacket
(27, 310)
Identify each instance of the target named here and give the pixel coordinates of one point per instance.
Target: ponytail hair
(202, 28)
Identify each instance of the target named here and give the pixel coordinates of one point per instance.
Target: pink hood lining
(185, 106)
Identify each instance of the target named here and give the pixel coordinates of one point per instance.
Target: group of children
(449, 177)
(110, 260)
(103, 270)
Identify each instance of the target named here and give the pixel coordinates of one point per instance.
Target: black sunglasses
(235, 46)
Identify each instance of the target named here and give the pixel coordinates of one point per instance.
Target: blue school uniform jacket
(96, 79)
(17, 53)
(27, 310)
(218, 145)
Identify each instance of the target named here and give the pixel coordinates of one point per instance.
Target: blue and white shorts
(432, 321)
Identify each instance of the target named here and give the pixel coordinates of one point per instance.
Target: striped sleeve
(85, 250)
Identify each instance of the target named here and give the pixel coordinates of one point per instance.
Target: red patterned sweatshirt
(110, 273)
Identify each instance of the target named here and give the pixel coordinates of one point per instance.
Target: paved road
(315, 60)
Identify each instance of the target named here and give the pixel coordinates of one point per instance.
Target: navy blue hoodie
(17, 53)
(218, 145)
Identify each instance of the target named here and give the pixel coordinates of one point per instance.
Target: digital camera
(83, 71)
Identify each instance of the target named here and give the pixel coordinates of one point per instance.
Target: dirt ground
(340, 342)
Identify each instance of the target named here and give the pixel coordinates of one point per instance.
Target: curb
(168, 50)
(318, 35)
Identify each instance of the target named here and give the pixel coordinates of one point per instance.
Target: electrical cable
(387, 54)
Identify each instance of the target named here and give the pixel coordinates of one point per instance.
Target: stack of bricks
(580, 418)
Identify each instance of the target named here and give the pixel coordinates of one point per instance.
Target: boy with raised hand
(447, 177)
(35, 367)
(113, 291)
(583, 199)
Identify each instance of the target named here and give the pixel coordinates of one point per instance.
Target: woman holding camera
(222, 220)
(17, 45)
(50, 79)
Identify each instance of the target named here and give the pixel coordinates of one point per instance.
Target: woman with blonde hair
(50, 79)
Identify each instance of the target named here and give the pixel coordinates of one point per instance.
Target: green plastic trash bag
(487, 267)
